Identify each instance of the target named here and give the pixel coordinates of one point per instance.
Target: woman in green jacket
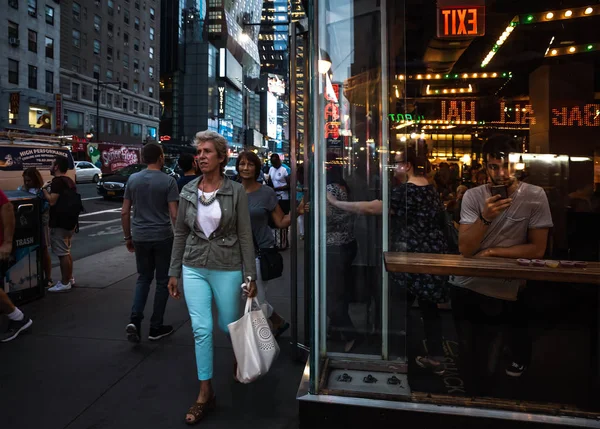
(214, 251)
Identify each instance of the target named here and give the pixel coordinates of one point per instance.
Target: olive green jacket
(229, 248)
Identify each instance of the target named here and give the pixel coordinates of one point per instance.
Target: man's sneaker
(72, 281)
(158, 333)
(134, 332)
(515, 369)
(15, 327)
(59, 287)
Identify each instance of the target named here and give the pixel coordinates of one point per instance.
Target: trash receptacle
(22, 273)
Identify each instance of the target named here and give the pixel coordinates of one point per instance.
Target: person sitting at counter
(507, 219)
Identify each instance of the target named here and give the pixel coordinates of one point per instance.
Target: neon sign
(524, 114)
(461, 21)
(587, 115)
(456, 110)
(405, 117)
(221, 90)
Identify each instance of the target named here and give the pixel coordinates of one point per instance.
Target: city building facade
(110, 58)
(30, 66)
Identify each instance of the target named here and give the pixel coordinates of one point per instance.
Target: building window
(97, 23)
(76, 11)
(49, 15)
(135, 106)
(95, 95)
(96, 47)
(151, 52)
(150, 110)
(137, 23)
(75, 64)
(125, 39)
(136, 44)
(151, 72)
(125, 82)
(109, 74)
(136, 86)
(96, 71)
(136, 65)
(151, 33)
(32, 77)
(126, 17)
(32, 7)
(84, 92)
(125, 107)
(152, 13)
(32, 38)
(137, 4)
(49, 47)
(13, 30)
(109, 97)
(14, 4)
(125, 60)
(111, 28)
(111, 7)
(151, 91)
(49, 82)
(76, 39)
(109, 53)
(136, 130)
(13, 71)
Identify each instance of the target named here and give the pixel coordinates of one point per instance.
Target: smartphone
(500, 190)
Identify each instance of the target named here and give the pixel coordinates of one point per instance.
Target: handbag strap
(249, 302)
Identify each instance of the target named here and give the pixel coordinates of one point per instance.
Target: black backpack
(67, 209)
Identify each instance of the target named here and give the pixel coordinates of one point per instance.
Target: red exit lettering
(461, 22)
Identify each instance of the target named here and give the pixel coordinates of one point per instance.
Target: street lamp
(98, 85)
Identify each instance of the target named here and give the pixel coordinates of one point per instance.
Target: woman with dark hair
(263, 205)
(33, 184)
(416, 225)
(341, 251)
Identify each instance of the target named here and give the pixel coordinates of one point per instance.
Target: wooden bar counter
(429, 263)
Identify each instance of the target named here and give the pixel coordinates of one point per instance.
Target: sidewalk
(75, 368)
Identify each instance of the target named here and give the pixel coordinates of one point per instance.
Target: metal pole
(293, 184)
(98, 109)
(384, 177)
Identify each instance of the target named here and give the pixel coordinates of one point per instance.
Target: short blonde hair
(218, 142)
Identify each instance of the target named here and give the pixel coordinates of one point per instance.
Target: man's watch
(485, 222)
(127, 238)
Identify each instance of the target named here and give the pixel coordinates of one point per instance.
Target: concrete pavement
(75, 369)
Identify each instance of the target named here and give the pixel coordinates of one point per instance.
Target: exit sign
(461, 21)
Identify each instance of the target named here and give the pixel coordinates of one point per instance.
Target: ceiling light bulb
(445, 91)
(499, 42)
(419, 76)
(568, 13)
(453, 91)
(572, 49)
(589, 10)
(465, 75)
(485, 75)
(462, 90)
(475, 74)
(401, 77)
(549, 15)
(494, 74)
(428, 76)
(554, 52)
(437, 76)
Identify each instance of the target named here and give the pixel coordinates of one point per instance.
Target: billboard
(275, 84)
(112, 157)
(271, 116)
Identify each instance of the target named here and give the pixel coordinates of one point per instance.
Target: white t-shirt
(278, 176)
(208, 217)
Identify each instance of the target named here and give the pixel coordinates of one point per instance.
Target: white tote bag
(253, 342)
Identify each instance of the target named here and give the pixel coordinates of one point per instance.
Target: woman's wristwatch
(127, 238)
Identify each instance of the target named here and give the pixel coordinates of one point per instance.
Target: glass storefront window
(40, 117)
(455, 203)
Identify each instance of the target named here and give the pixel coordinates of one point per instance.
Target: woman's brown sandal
(199, 410)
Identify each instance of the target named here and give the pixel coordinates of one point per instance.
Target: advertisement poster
(112, 157)
(332, 117)
(19, 158)
(271, 115)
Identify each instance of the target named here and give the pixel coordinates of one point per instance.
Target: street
(99, 226)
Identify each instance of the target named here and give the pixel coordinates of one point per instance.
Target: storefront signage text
(461, 21)
(407, 117)
(58, 112)
(587, 115)
(221, 90)
(523, 114)
(459, 110)
(115, 159)
(15, 100)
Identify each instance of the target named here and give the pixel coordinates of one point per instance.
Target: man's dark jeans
(151, 257)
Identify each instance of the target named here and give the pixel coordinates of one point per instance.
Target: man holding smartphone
(508, 219)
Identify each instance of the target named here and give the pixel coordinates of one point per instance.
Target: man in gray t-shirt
(153, 195)
(494, 226)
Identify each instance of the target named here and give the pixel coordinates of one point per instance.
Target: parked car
(113, 185)
(87, 172)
